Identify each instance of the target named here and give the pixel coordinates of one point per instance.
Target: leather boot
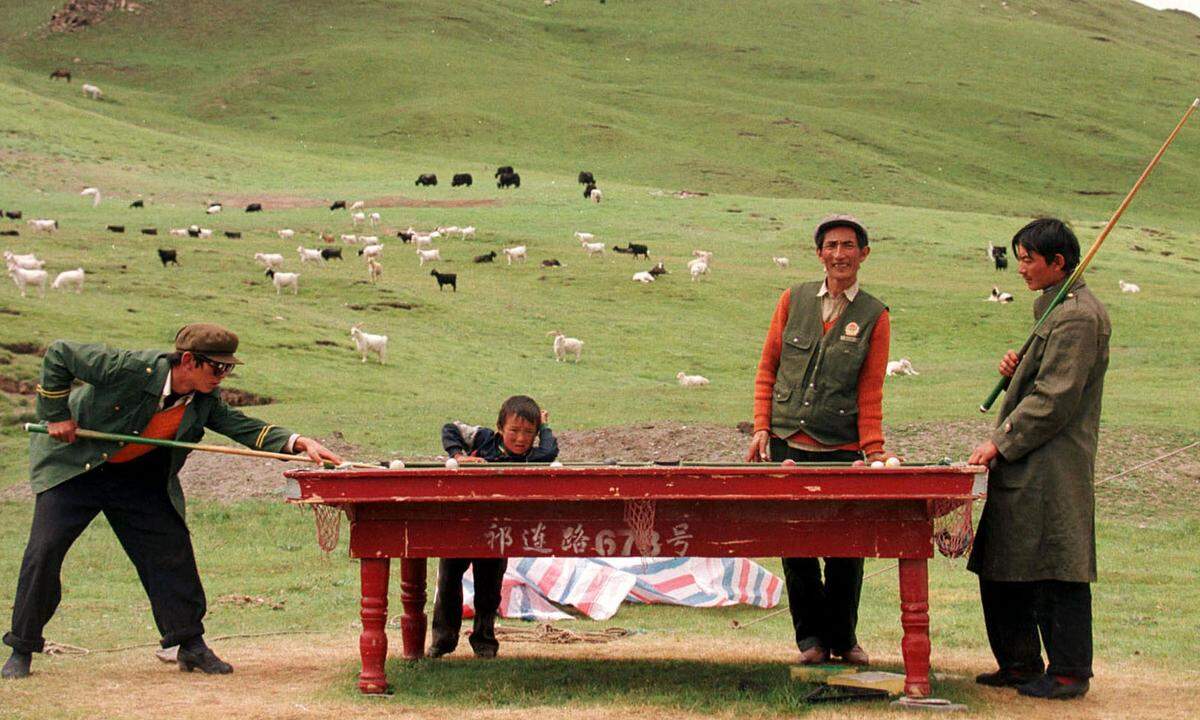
(198, 656)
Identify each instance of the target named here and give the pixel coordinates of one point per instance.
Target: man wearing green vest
(818, 397)
(152, 394)
(1035, 552)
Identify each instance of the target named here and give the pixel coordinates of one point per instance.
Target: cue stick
(1002, 385)
(222, 449)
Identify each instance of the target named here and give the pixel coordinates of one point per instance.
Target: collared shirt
(832, 305)
(187, 399)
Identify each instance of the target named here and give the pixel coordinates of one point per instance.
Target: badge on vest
(850, 332)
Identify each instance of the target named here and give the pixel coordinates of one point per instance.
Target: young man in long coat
(156, 395)
(1035, 552)
(818, 397)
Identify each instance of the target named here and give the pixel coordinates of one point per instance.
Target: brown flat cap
(840, 220)
(212, 341)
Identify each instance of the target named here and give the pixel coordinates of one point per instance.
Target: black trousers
(447, 610)
(133, 497)
(825, 612)
(1015, 612)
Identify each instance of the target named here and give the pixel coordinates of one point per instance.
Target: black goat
(330, 253)
(509, 180)
(658, 269)
(1000, 257)
(445, 279)
(504, 170)
(635, 249)
(586, 178)
(486, 257)
(551, 263)
(233, 234)
(426, 180)
(137, 204)
(10, 233)
(149, 231)
(116, 228)
(587, 190)
(337, 205)
(61, 73)
(254, 207)
(193, 232)
(12, 214)
(461, 179)
(168, 255)
(405, 236)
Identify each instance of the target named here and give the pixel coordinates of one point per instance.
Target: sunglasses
(220, 369)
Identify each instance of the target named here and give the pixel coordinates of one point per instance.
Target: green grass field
(942, 125)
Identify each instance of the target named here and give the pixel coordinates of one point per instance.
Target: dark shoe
(204, 660)
(855, 656)
(1051, 687)
(815, 655)
(1006, 678)
(17, 666)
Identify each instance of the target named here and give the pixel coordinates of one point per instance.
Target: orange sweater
(162, 426)
(870, 381)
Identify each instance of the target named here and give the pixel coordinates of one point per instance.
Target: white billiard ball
(556, 464)
(893, 462)
(451, 464)
(877, 464)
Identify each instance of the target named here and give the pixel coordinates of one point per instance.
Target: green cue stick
(223, 449)
(1002, 385)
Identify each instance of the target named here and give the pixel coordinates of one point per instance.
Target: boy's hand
(545, 416)
(759, 447)
(465, 458)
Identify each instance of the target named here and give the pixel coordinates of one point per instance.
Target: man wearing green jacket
(1035, 552)
(149, 393)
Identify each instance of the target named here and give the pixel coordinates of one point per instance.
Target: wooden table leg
(372, 643)
(914, 618)
(412, 597)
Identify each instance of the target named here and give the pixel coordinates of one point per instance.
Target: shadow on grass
(690, 685)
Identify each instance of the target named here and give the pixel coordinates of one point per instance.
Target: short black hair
(859, 232)
(523, 407)
(1049, 237)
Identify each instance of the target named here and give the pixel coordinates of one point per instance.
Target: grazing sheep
(115, 228)
(91, 91)
(658, 269)
(901, 367)
(273, 261)
(467, 232)
(374, 269)
(214, 208)
(450, 279)
(375, 218)
(370, 251)
(326, 237)
(24, 278)
(254, 207)
(584, 237)
(426, 180)
(643, 277)
(61, 73)
(94, 193)
(596, 195)
(26, 262)
(564, 345)
(422, 241)
(999, 256)
(368, 239)
(193, 231)
(503, 169)
(337, 205)
(286, 234)
(368, 343)
(357, 205)
(349, 239)
(509, 180)
(782, 262)
(515, 253)
(704, 255)
(697, 269)
(586, 178)
(179, 232)
(551, 263)
(486, 257)
(1000, 297)
(1128, 287)
(205, 233)
(447, 229)
(307, 255)
(284, 279)
(137, 204)
(233, 234)
(331, 253)
(168, 255)
(12, 214)
(691, 380)
(150, 231)
(67, 278)
(429, 255)
(596, 248)
(10, 233)
(461, 179)
(357, 217)
(43, 225)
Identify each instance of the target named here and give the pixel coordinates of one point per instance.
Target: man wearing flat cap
(134, 392)
(818, 397)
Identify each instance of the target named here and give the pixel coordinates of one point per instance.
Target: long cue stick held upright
(222, 449)
(1002, 385)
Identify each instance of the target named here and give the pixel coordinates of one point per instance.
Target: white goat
(1000, 297)
(269, 260)
(697, 269)
(24, 278)
(349, 239)
(593, 248)
(91, 91)
(358, 217)
(307, 255)
(447, 229)
(214, 208)
(357, 205)
(374, 269)
(368, 343)
(782, 262)
(901, 367)
(564, 345)
(584, 237)
(27, 262)
(284, 279)
(420, 240)
(179, 232)
(515, 253)
(368, 239)
(467, 232)
(705, 255)
(94, 192)
(371, 251)
(596, 195)
(286, 234)
(375, 218)
(205, 232)
(691, 380)
(69, 278)
(643, 277)
(43, 225)
(429, 255)
(1128, 287)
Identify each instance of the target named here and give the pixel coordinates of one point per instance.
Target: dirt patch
(9, 311)
(328, 343)
(24, 348)
(244, 398)
(82, 14)
(17, 387)
(283, 201)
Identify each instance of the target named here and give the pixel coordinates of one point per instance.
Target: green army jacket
(1038, 521)
(121, 392)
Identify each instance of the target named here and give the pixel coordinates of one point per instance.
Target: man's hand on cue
(316, 452)
(984, 453)
(63, 431)
(1008, 364)
(760, 447)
